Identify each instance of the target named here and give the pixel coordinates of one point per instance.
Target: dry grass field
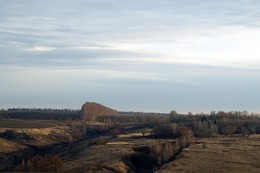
(221, 154)
(15, 123)
(109, 154)
(104, 158)
(45, 132)
(7, 146)
(225, 154)
(9, 151)
(18, 146)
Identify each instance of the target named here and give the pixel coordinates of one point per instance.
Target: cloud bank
(132, 55)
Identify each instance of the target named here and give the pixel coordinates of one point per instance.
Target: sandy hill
(91, 110)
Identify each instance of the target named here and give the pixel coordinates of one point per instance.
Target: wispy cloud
(39, 49)
(169, 46)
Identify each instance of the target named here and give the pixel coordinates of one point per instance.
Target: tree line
(43, 110)
(225, 123)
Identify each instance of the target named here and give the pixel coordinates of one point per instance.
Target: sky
(138, 55)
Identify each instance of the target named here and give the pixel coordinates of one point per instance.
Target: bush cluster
(47, 163)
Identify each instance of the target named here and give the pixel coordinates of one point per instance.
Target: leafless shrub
(47, 163)
(115, 132)
(101, 140)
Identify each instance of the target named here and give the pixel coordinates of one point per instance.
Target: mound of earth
(91, 110)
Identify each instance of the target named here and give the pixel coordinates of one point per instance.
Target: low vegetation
(47, 163)
(127, 141)
(218, 155)
(17, 136)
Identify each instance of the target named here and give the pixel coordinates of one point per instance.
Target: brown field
(14, 123)
(221, 154)
(45, 133)
(109, 154)
(109, 157)
(7, 146)
(224, 154)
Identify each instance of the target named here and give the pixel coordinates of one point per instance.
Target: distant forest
(45, 110)
(202, 124)
(39, 114)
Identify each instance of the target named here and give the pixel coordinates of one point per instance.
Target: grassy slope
(218, 155)
(104, 158)
(205, 155)
(45, 133)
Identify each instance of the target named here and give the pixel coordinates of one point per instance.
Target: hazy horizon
(140, 55)
(145, 111)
